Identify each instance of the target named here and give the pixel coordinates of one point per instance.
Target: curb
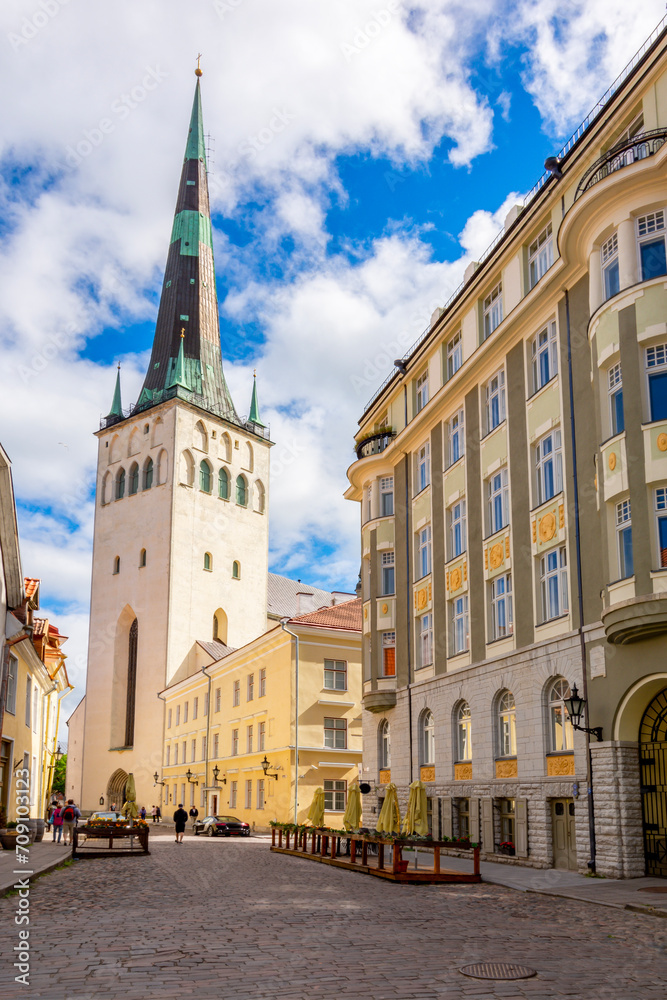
(4, 889)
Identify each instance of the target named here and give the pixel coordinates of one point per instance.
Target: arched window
(134, 479)
(114, 449)
(116, 565)
(464, 732)
(205, 477)
(200, 437)
(220, 626)
(223, 484)
(187, 469)
(107, 488)
(241, 491)
(226, 448)
(249, 457)
(427, 738)
(131, 684)
(208, 561)
(158, 429)
(148, 473)
(162, 467)
(236, 570)
(384, 745)
(562, 734)
(215, 626)
(134, 444)
(142, 558)
(120, 484)
(260, 497)
(506, 725)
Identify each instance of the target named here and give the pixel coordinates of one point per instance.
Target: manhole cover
(497, 970)
(653, 888)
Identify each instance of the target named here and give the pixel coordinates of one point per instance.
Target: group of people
(62, 817)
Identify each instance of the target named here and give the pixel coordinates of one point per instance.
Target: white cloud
(482, 227)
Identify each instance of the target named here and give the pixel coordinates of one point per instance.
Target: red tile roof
(31, 586)
(343, 616)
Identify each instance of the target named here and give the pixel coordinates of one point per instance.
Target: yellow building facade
(291, 699)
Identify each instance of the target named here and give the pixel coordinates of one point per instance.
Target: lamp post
(216, 772)
(265, 767)
(156, 780)
(101, 800)
(575, 705)
(188, 775)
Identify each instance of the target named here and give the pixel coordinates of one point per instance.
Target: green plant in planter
(12, 825)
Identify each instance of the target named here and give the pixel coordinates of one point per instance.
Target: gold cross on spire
(182, 332)
(198, 71)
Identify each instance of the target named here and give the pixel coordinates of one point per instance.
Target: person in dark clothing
(180, 819)
(194, 812)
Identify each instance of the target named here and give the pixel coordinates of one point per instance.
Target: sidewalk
(42, 858)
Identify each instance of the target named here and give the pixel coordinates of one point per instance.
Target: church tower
(180, 551)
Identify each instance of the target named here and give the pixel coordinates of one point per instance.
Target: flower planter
(507, 849)
(8, 839)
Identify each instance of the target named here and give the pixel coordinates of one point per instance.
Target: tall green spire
(116, 406)
(254, 404)
(179, 377)
(195, 149)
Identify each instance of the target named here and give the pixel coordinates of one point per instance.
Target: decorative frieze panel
(463, 772)
(507, 769)
(457, 577)
(497, 555)
(423, 596)
(548, 525)
(385, 777)
(560, 764)
(427, 773)
(614, 468)
(386, 613)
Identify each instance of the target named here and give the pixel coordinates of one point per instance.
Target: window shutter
(487, 825)
(473, 808)
(445, 817)
(521, 827)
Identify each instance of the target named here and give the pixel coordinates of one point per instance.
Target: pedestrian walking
(180, 819)
(70, 815)
(57, 821)
(194, 812)
(143, 812)
(158, 813)
(153, 812)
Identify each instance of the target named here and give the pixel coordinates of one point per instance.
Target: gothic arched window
(148, 474)
(120, 484)
(562, 734)
(427, 737)
(223, 484)
(134, 479)
(384, 745)
(131, 683)
(241, 491)
(205, 477)
(464, 732)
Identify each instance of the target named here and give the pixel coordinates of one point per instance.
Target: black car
(221, 826)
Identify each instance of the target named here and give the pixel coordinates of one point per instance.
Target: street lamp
(101, 800)
(188, 775)
(575, 705)
(156, 780)
(216, 772)
(265, 767)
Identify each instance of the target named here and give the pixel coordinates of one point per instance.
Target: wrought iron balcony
(376, 443)
(622, 155)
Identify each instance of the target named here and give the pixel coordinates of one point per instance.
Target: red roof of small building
(31, 586)
(343, 616)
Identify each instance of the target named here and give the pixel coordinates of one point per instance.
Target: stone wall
(618, 809)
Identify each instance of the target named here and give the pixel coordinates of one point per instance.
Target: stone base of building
(618, 810)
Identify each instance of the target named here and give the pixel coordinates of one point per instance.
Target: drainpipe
(580, 591)
(296, 717)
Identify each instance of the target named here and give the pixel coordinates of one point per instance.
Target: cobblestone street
(230, 920)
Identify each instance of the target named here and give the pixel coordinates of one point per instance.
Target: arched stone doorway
(653, 764)
(116, 788)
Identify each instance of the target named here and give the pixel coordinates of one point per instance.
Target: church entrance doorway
(116, 789)
(653, 765)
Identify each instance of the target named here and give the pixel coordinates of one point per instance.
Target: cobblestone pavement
(229, 920)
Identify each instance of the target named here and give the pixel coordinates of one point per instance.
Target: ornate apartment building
(512, 480)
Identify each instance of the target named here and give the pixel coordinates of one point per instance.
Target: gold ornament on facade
(486, 558)
(612, 461)
(365, 613)
(385, 777)
(662, 442)
(558, 766)
(385, 609)
(507, 546)
(422, 598)
(427, 774)
(465, 571)
(455, 578)
(534, 532)
(496, 555)
(462, 772)
(547, 528)
(507, 769)
(561, 516)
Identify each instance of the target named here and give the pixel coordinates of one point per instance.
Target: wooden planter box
(129, 840)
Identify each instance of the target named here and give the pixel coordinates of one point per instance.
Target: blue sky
(363, 154)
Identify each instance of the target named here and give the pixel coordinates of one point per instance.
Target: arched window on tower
(187, 469)
(120, 484)
(107, 488)
(223, 484)
(208, 561)
(205, 477)
(249, 457)
(142, 558)
(241, 491)
(162, 467)
(116, 566)
(236, 570)
(200, 437)
(220, 626)
(134, 479)
(260, 496)
(148, 473)
(131, 683)
(226, 447)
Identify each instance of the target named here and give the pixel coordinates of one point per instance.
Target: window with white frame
(388, 583)
(218, 699)
(544, 356)
(388, 654)
(459, 624)
(425, 640)
(168, 759)
(421, 389)
(507, 725)
(195, 708)
(262, 682)
(561, 732)
(335, 734)
(175, 753)
(609, 261)
(35, 708)
(184, 751)
(497, 500)
(624, 536)
(454, 354)
(464, 732)
(250, 693)
(249, 734)
(661, 524)
(384, 745)
(203, 748)
(186, 707)
(553, 584)
(501, 606)
(248, 793)
(261, 736)
(548, 466)
(635, 128)
(457, 529)
(169, 719)
(178, 715)
(335, 675)
(493, 310)
(236, 694)
(656, 371)
(335, 795)
(12, 677)
(427, 737)
(235, 742)
(540, 255)
(260, 793)
(651, 237)
(495, 401)
(423, 552)
(369, 503)
(455, 437)
(193, 750)
(615, 386)
(233, 794)
(423, 467)
(216, 745)
(386, 496)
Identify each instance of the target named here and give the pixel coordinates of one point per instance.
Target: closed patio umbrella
(316, 811)
(352, 817)
(389, 820)
(415, 818)
(130, 807)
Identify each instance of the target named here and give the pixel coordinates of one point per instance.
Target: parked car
(111, 816)
(221, 826)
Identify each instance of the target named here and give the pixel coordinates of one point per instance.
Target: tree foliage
(59, 772)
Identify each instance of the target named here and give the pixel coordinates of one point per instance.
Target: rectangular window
(387, 573)
(423, 467)
(459, 625)
(497, 495)
(656, 367)
(175, 753)
(335, 795)
(617, 418)
(335, 734)
(168, 760)
(249, 739)
(260, 793)
(507, 817)
(195, 708)
(262, 682)
(386, 496)
(651, 236)
(454, 355)
(35, 708)
(218, 699)
(455, 438)
(261, 736)
(493, 310)
(544, 356)
(388, 654)
(235, 742)
(495, 401)
(251, 687)
(185, 711)
(203, 748)
(424, 552)
(610, 275)
(548, 466)
(661, 516)
(248, 793)
(236, 694)
(28, 699)
(421, 389)
(624, 533)
(193, 751)
(501, 606)
(233, 793)
(12, 676)
(184, 750)
(216, 745)
(425, 640)
(457, 529)
(169, 719)
(335, 675)
(540, 256)
(553, 584)
(206, 704)
(178, 715)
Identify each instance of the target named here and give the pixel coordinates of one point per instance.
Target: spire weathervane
(198, 71)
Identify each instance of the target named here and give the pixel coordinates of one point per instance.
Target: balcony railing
(622, 155)
(375, 444)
